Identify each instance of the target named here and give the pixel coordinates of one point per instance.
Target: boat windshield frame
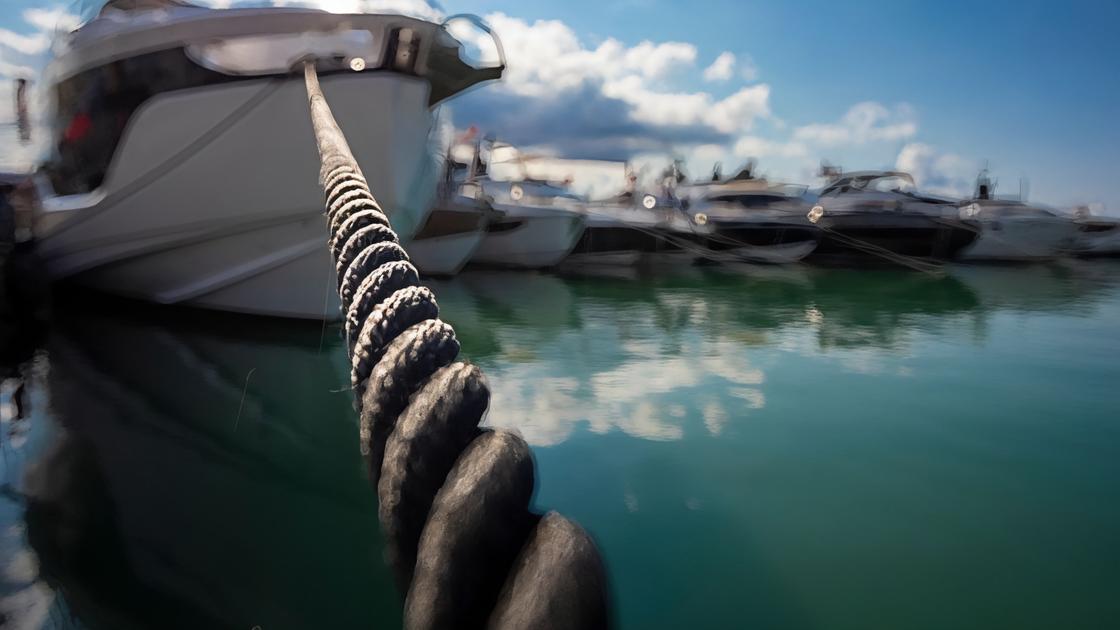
(859, 182)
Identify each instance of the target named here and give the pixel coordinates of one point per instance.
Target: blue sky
(1030, 88)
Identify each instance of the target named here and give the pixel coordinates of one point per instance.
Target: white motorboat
(622, 231)
(537, 223)
(751, 219)
(1011, 230)
(184, 167)
(879, 214)
(538, 226)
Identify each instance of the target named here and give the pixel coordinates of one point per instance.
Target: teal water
(774, 448)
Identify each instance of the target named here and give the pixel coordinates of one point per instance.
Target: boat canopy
(883, 181)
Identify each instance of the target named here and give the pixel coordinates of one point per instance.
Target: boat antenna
(23, 117)
(830, 172)
(985, 187)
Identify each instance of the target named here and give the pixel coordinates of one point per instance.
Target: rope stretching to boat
(453, 498)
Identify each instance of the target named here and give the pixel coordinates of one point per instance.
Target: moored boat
(537, 222)
(751, 219)
(1011, 230)
(879, 216)
(184, 169)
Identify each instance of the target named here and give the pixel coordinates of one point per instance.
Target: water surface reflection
(752, 446)
(195, 470)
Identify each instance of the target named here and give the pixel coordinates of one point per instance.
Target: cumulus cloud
(611, 99)
(56, 19)
(547, 56)
(721, 69)
(864, 122)
(753, 146)
(10, 70)
(936, 171)
(33, 44)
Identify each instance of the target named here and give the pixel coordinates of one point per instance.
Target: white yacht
(538, 222)
(632, 229)
(1011, 230)
(880, 214)
(184, 166)
(752, 219)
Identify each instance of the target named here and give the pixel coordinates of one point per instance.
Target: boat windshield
(889, 183)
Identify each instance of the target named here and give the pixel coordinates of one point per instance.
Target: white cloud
(33, 44)
(546, 59)
(864, 122)
(721, 69)
(732, 114)
(50, 20)
(10, 70)
(937, 172)
(547, 56)
(753, 146)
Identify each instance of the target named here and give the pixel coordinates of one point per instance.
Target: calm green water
(782, 448)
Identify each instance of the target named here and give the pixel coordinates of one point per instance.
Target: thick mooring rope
(464, 547)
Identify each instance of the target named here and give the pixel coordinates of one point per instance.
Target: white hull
(238, 225)
(540, 241)
(1100, 242)
(1021, 239)
(445, 255)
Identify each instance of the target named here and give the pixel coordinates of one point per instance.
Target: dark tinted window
(95, 106)
(750, 201)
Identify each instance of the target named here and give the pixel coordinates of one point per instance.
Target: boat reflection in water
(641, 352)
(200, 471)
(749, 445)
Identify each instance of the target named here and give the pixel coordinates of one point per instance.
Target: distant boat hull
(530, 241)
(448, 241)
(1022, 239)
(874, 236)
(1097, 238)
(762, 241)
(777, 254)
